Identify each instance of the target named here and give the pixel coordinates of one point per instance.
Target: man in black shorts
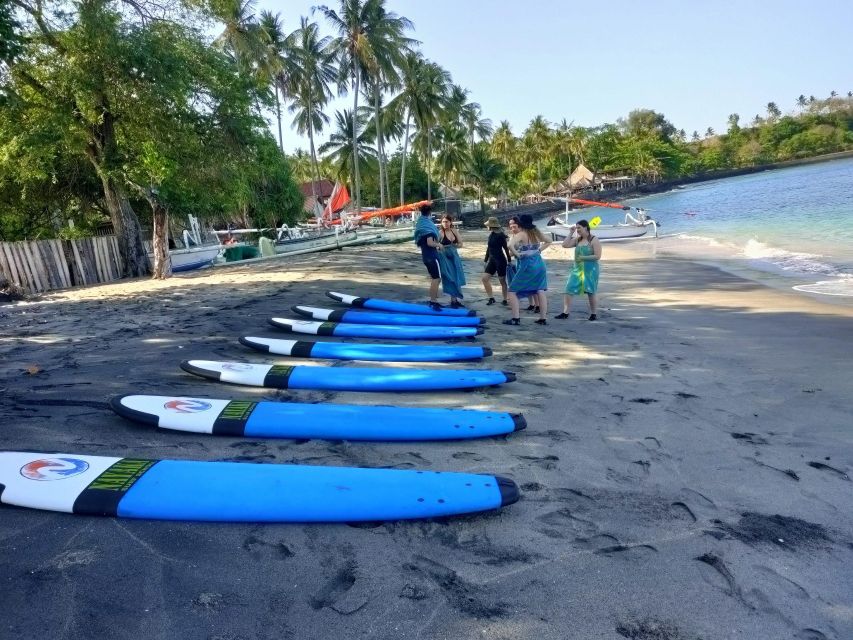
(426, 237)
(497, 258)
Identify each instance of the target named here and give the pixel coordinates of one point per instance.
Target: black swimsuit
(495, 256)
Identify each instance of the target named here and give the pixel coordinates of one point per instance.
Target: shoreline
(668, 185)
(675, 483)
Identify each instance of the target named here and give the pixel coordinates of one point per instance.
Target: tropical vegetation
(128, 113)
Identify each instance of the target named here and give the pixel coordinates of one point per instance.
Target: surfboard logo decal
(278, 376)
(187, 405)
(232, 420)
(54, 468)
(104, 493)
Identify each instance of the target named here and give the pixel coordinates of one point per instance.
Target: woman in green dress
(584, 275)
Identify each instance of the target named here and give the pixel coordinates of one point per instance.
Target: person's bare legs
(593, 305)
(487, 284)
(503, 286)
(542, 300)
(513, 304)
(567, 305)
(433, 289)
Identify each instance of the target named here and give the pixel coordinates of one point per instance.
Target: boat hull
(325, 242)
(193, 258)
(608, 233)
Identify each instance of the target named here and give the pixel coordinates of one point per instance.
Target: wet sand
(685, 473)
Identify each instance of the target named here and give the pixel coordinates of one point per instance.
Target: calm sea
(790, 227)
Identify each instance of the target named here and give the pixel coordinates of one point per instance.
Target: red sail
(339, 199)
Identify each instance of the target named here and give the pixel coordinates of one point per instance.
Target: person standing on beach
(512, 267)
(584, 275)
(531, 276)
(452, 269)
(497, 259)
(426, 237)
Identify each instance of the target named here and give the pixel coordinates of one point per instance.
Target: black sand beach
(686, 471)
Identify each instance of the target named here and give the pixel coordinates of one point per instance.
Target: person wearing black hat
(497, 258)
(426, 237)
(531, 275)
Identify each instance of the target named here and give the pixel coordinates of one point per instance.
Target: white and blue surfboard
(345, 378)
(240, 492)
(352, 330)
(357, 351)
(378, 304)
(378, 317)
(327, 421)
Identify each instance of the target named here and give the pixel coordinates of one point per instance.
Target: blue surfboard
(378, 317)
(355, 351)
(240, 492)
(378, 304)
(346, 378)
(348, 330)
(326, 421)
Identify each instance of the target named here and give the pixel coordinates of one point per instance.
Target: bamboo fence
(43, 265)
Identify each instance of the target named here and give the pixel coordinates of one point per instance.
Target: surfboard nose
(487, 352)
(509, 490)
(519, 421)
(510, 376)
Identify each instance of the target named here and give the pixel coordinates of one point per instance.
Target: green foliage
(149, 105)
(414, 182)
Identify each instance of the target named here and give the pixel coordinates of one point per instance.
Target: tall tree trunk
(127, 230)
(429, 165)
(357, 176)
(278, 117)
(403, 159)
(160, 240)
(382, 201)
(313, 157)
(482, 202)
(101, 151)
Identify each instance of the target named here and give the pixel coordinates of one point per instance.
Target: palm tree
(315, 71)
(367, 34)
(390, 46)
(801, 101)
(579, 142)
(734, 120)
(338, 149)
(276, 64)
(709, 132)
(475, 123)
(424, 87)
(300, 166)
(536, 140)
(773, 111)
(483, 170)
(453, 155)
(504, 143)
(241, 36)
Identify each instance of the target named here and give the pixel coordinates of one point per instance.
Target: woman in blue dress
(584, 275)
(531, 276)
(449, 262)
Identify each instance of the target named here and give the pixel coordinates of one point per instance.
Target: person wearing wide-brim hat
(497, 258)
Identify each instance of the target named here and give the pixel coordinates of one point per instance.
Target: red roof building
(324, 190)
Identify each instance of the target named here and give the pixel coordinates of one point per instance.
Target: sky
(593, 62)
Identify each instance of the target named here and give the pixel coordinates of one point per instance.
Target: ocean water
(790, 227)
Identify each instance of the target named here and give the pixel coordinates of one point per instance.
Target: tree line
(129, 110)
